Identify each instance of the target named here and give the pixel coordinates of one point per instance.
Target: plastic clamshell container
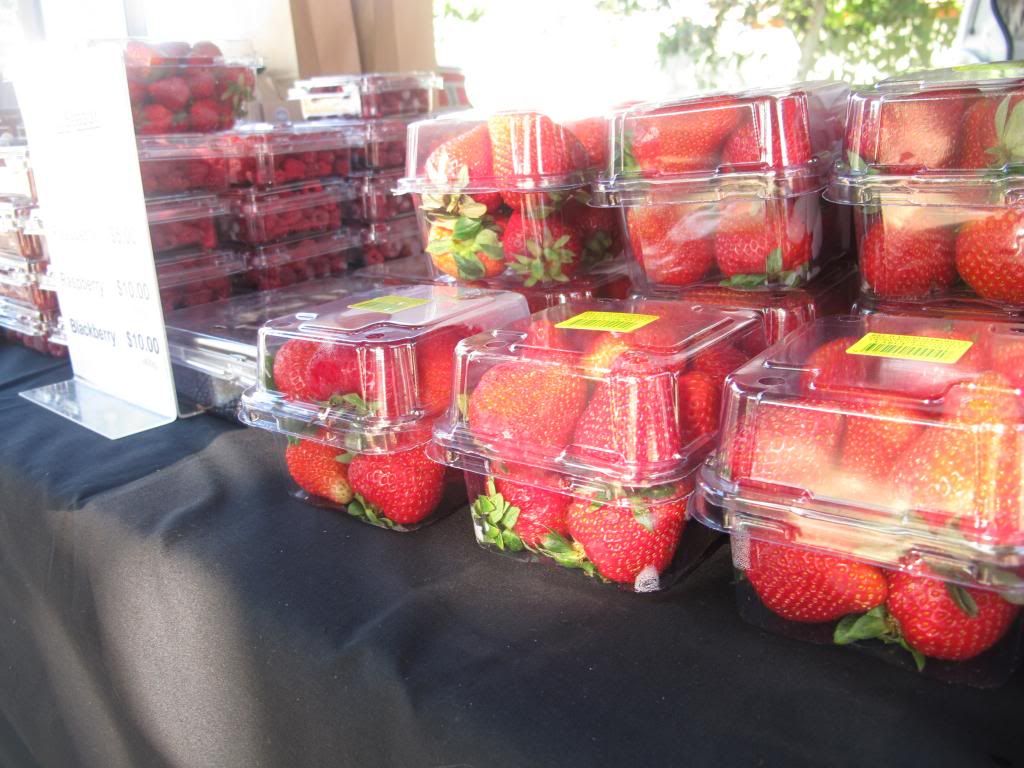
(213, 347)
(363, 378)
(375, 200)
(198, 277)
(369, 95)
(175, 87)
(265, 155)
(174, 164)
(831, 292)
(614, 403)
(16, 171)
(389, 240)
(21, 279)
(609, 281)
(184, 222)
(378, 145)
(21, 229)
(306, 208)
(32, 327)
(507, 193)
(303, 258)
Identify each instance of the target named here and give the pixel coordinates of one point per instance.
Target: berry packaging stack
(353, 388)
(869, 472)
(931, 170)
(580, 431)
(506, 195)
(727, 187)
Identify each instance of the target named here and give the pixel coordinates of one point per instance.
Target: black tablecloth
(165, 603)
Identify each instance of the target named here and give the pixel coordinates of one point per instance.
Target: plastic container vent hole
(771, 381)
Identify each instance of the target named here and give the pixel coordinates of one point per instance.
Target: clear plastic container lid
(220, 339)
(16, 269)
(474, 152)
(305, 136)
(196, 265)
(372, 131)
(389, 231)
(595, 395)
(14, 213)
(185, 146)
(289, 197)
(147, 52)
(371, 82)
(26, 318)
(892, 439)
(770, 142)
(303, 247)
(175, 208)
(370, 370)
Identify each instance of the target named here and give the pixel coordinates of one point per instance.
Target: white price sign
(74, 100)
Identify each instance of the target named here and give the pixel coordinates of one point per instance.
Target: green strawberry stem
(568, 554)
(876, 624)
(360, 508)
(496, 519)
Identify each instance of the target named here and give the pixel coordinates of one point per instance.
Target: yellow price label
(925, 349)
(389, 304)
(620, 322)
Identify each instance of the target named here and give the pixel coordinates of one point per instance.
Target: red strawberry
(989, 137)
(592, 133)
(332, 372)
(531, 405)
(527, 145)
(761, 239)
(171, 92)
(913, 132)
(201, 84)
(908, 257)
(873, 441)
(541, 511)
(403, 487)
(137, 94)
(317, 469)
(603, 349)
(541, 250)
(138, 58)
(625, 540)
(477, 255)
(719, 361)
(206, 49)
(990, 256)
(204, 115)
(674, 244)
(463, 159)
(1008, 359)
(790, 141)
(806, 586)
(155, 119)
(291, 369)
(685, 138)
(435, 365)
(831, 367)
(598, 230)
(174, 49)
(699, 401)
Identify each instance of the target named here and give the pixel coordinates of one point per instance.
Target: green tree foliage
(888, 35)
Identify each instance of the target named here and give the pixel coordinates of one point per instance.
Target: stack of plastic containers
(869, 471)
(451, 96)
(183, 97)
(580, 431)
(932, 172)
(506, 195)
(375, 109)
(353, 388)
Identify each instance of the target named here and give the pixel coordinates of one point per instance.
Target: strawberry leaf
(472, 209)
(462, 403)
(774, 262)
(292, 440)
(469, 266)
(855, 161)
(744, 281)
(1002, 112)
(438, 247)
(919, 658)
(642, 514)
(466, 228)
(867, 626)
(963, 600)
(512, 541)
(345, 458)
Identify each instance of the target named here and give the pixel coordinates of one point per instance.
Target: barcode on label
(620, 322)
(926, 349)
(389, 304)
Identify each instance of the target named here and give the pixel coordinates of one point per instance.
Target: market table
(167, 604)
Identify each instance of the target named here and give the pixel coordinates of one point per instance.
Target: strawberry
(686, 138)
(622, 541)
(873, 440)
(403, 487)
(913, 132)
(291, 369)
(138, 58)
(699, 401)
(812, 587)
(174, 49)
(1008, 359)
(674, 244)
(206, 49)
(933, 618)
(988, 399)
(137, 94)
(603, 349)
(462, 160)
(170, 92)
(467, 248)
(990, 136)
(204, 115)
(541, 250)
(908, 257)
(530, 405)
(318, 470)
(527, 145)
(537, 205)
(598, 230)
(201, 84)
(435, 365)
(830, 367)
(790, 141)
(718, 362)
(155, 119)
(592, 133)
(757, 240)
(513, 514)
(989, 256)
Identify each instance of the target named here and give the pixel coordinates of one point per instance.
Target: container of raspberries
(607, 281)
(869, 470)
(378, 145)
(173, 164)
(832, 291)
(21, 229)
(213, 347)
(261, 216)
(22, 280)
(185, 222)
(32, 327)
(388, 240)
(303, 258)
(580, 431)
(264, 155)
(727, 186)
(369, 95)
(931, 170)
(506, 194)
(375, 200)
(16, 171)
(195, 277)
(353, 387)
